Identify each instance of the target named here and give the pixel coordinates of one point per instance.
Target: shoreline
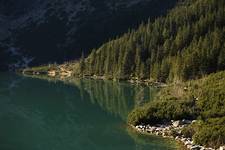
(173, 130)
(64, 74)
(163, 130)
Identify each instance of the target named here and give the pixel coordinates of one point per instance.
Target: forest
(188, 43)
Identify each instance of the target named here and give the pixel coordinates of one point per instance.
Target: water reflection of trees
(114, 97)
(57, 116)
(117, 98)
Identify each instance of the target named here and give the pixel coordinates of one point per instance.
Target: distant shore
(62, 73)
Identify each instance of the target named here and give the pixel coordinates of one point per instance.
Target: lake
(84, 114)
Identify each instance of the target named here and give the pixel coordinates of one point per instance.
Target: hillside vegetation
(202, 99)
(186, 49)
(186, 44)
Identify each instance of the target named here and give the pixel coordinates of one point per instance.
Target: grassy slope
(202, 99)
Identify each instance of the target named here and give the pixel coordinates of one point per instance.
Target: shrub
(160, 111)
(203, 99)
(211, 133)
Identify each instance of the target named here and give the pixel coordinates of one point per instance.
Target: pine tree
(188, 43)
(82, 63)
(221, 59)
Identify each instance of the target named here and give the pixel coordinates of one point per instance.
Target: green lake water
(83, 115)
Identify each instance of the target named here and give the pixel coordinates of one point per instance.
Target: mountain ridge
(60, 30)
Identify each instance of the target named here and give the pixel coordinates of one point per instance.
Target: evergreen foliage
(202, 99)
(186, 44)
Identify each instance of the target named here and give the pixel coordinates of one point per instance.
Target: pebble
(165, 131)
(222, 148)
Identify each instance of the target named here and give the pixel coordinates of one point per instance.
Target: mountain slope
(186, 44)
(59, 30)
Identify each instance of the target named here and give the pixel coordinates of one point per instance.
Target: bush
(211, 133)
(190, 130)
(160, 111)
(137, 116)
(203, 99)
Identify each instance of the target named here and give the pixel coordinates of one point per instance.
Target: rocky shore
(66, 71)
(173, 129)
